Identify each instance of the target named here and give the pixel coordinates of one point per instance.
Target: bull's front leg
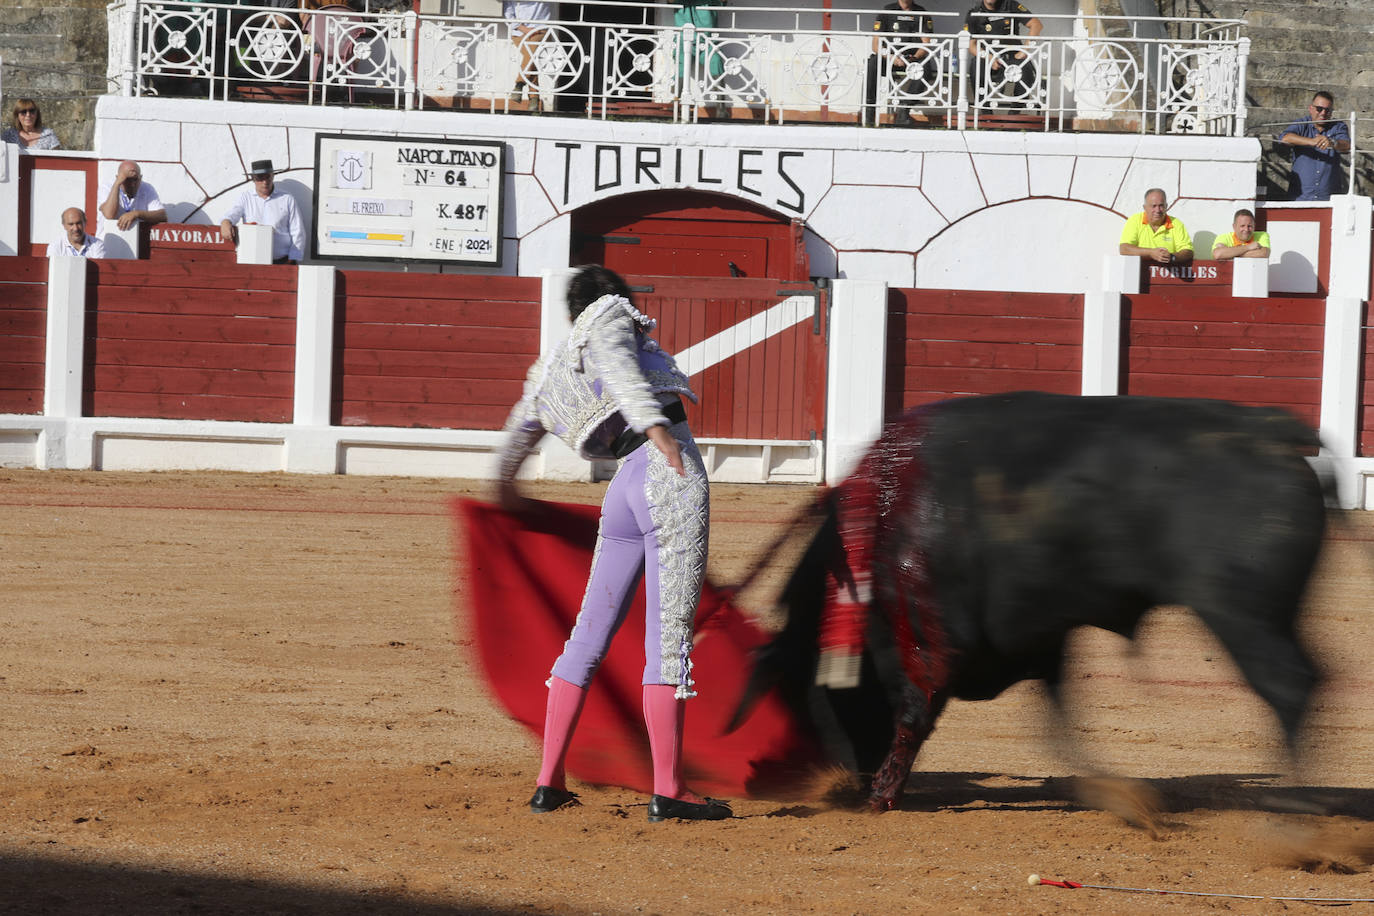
(915, 722)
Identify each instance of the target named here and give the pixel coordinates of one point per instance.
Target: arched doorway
(688, 234)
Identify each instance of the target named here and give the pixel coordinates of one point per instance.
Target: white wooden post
(314, 345)
(63, 374)
(255, 244)
(1342, 363)
(1250, 279)
(856, 371)
(1121, 274)
(1102, 343)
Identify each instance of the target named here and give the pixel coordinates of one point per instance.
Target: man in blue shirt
(1317, 145)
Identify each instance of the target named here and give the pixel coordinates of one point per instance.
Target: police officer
(912, 65)
(1001, 20)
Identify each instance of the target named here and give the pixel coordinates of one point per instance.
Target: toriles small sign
(408, 198)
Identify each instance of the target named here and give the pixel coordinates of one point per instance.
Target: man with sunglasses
(1317, 143)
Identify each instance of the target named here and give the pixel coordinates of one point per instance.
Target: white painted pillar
(255, 244)
(311, 445)
(1121, 274)
(855, 372)
(1341, 369)
(122, 244)
(9, 199)
(556, 460)
(1102, 343)
(63, 375)
(314, 345)
(1342, 363)
(1250, 278)
(1350, 229)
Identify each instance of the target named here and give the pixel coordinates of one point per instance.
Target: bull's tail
(788, 662)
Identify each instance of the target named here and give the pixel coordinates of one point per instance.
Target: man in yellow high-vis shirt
(1155, 235)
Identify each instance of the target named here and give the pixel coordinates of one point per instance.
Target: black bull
(1004, 522)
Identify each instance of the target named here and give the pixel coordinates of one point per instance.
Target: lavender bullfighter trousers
(655, 522)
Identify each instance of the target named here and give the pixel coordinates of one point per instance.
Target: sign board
(408, 198)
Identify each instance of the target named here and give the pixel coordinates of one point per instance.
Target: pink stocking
(663, 714)
(560, 718)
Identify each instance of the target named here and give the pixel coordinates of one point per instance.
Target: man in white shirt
(131, 198)
(76, 243)
(266, 205)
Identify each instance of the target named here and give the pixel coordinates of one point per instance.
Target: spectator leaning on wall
(1156, 236)
(131, 199)
(1317, 143)
(1242, 241)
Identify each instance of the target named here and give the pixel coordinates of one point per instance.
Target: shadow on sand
(1179, 794)
(38, 886)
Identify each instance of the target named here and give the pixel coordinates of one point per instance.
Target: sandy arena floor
(227, 693)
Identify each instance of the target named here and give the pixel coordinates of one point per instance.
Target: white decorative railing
(781, 63)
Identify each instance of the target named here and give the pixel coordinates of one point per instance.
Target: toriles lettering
(612, 167)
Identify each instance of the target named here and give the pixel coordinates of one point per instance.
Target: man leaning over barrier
(1154, 235)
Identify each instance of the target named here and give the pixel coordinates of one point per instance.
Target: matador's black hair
(591, 283)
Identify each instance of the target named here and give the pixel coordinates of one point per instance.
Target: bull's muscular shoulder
(1024, 423)
(1034, 462)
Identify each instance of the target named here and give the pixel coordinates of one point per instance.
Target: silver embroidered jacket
(605, 377)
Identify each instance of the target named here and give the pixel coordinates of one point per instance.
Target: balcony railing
(766, 64)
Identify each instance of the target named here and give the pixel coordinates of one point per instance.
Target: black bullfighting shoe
(547, 798)
(661, 807)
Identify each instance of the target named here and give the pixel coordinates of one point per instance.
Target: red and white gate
(755, 351)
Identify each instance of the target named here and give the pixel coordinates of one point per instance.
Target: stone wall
(1296, 48)
(54, 51)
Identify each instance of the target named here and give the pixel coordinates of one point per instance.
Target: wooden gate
(689, 233)
(755, 351)
(23, 334)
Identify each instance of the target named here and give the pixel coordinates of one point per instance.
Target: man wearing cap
(1154, 235)
(131, 199)
(75, 242)
(264, 204)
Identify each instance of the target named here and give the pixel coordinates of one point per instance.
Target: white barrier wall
(9, 199)
(1027, 210)
(62, 438)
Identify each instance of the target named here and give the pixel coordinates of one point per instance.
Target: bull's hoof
(1332, 850)
(879, 803)
(1133, 801)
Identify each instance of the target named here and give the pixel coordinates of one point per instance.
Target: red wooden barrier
(440, 351)
(764, 382)
(23, 333)
(190, 341)
(1204, 344)
(948, 343)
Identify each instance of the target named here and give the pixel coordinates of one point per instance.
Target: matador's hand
(665, 443)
